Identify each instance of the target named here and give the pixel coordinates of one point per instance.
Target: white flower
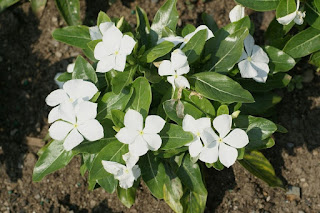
(199, 130)
(95, 33)
(237, 13)
(141, 139)
(175, 68)
(253, 62)
(226, 144)
(78, 122)
(72, 90)
(125, 174)
(178, 39)
(70, 67)
(112, 51)
(297, 16)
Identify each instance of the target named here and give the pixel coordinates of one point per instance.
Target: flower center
(141, 132)
(220, 140)
(176, 76)
(249, 58)
(126, 171)
(75, 125)
(198, 134)
(71, 100)
(186, 40)
(116, 52)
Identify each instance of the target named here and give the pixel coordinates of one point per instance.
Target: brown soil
(30, 58)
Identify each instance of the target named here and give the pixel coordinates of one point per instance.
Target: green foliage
(70, 11)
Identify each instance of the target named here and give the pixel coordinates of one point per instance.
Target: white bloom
(175, 68)
(125, 174)
(237, 13)
(72, 90)
(297, 16)
(199, 129)
(178, 39)
(95, 33)
(226, 144)
(59, 83)
(254, 61)
(141, 139)
(112, 51)
(78, 122)
(70, 67)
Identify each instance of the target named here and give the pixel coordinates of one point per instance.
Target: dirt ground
(30, 58)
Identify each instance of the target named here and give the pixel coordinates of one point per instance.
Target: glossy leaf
(84, 70)
(174, 137)
(123, 79)
(70, 11)
(259, 5)
(6, 3)
(127, 196)
(108, 183)
(157, 52)
(285, 7)
(313, 17)
(193, 202)
(38, 6)
(304, 43)
(279, 60)
(143, 26)
(194, 47)
(65, 77)
(77, 36)
(102, 17)
(263, 102)
(221, 88)
(189, 28)
(260, 167)
(117, 117)
(315, 59)
(210, 22)
(93, 147)
(54, 157)
(223, 109)
(277, 34)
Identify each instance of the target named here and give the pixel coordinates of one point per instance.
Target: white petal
(56, 97)
(126, 135)
(86, 111)
(202, 124)
(222, 124)
(120, 62)
(195, 148)
(154, 141)
(237, 13)
(139, 147)
(136, 172)
(227, 155)
(126, 181)
(127, 45)
(78, 88)
(182, 82)
(113, 167)
(248, 44)
(106, 64)
(204, 27)
(189, 124)
(133, 120)
(209, 154)
(104, 27)
(208, 136)
(92, 130)
(59, 130)
(72, 140)
(258, 55)
(70, 67)
(171, 80)
(287, 19)
(243, 56)
(183, 70)
(237, 138)
(165, 68)
(154, 124)
(173, 39)
(54, 115)
(67, 113)
(101, 51)
(299, 17)
(178, 59)
(263, 70)
(130, 159)
(246, 69)
(95, 33)
(112, 39)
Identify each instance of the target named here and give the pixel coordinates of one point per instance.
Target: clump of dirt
(30, 58)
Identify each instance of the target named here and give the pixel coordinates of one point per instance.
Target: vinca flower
(297, 16)
(237, 13)
(72, 90)
(178, 39)
(141, 139)
(95, 33)
(253, 62)
(126, 174)
(114, 48)
(199, 128)
(175, 68)
(77, 122)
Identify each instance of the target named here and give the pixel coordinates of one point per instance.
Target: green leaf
(143, 26)
(285, 7)
(93, 147)
(317, 4)
(127, 196)
(77, 36)
(210, 22)
(6, 3)
(260, 167)
(151, 74)
(221, 88)
(153, 174)
(156, 52)
(54, 157)
(65, 77)
(263, 102)
(190, 175)
(123, 79)
(111, 101)
(189, 28)
(108, 183)
(279, 60)
(304, 43)
(167, 16)
(84, 70)
(92, 44)
(117, 117)
(102, 17)
(223, 109)
(70, 11)
(315, 59)
(259, 5)
(174, 137)
(89, 54)
(194, 47)
(193, 202)
(313, 17)
(38, 6)
(113, 151)
(141, 97)
(276, 34)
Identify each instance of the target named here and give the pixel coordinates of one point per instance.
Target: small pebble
(293, 193)
(58, 54)
(37, 196)
(302, 179)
